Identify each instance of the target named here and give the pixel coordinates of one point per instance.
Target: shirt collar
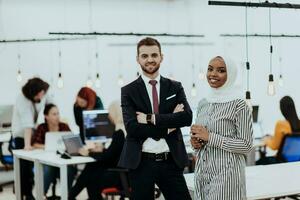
(146, 79)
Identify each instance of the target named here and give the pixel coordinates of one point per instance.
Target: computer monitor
(255, 113)
(6, 112)
(96, 125)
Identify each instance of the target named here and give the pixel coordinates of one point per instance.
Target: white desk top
(50, 158)
(266, 181)
(28, 155)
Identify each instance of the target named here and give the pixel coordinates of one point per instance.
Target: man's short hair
(148, 41)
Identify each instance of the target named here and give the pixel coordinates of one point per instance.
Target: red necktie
(154, 96)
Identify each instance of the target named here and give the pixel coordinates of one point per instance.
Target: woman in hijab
(222, 136)
(86, 99)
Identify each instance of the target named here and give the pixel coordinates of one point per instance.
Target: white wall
(35, 19)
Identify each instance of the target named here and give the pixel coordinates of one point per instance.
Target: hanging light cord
(247, 47)
(59, 57)
(270, 38)
(19, 61)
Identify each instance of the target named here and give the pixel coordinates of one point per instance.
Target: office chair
(112, 192)
(289, 151)
(7, 162)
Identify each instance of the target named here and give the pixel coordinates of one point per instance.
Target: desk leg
(17, 174)
(64, 182)
(39, 179)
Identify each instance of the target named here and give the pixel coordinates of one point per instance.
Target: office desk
(31, 156)
(40, 158)
(54, 160)
(266, 181)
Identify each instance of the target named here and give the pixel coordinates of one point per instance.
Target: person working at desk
(222, 136)
(28, 105)
(95, 176)
(283, 127)
(52, 124)
(86, 99)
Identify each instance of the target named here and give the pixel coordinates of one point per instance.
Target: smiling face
(216, 73)
(149, 58)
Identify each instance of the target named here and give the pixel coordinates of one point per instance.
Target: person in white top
(28, 105)
(154, 109)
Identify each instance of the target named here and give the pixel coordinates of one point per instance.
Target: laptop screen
(73, 143)
(96, 125)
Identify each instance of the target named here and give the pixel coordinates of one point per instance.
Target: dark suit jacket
(135, 98)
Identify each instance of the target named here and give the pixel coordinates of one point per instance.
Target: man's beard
(156, 68)
(36, 101)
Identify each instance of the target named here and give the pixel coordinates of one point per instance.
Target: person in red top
(52, 124)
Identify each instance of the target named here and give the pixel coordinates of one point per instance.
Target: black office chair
(112, 192)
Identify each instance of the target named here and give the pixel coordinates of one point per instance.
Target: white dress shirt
(23, 114)
(150, 145)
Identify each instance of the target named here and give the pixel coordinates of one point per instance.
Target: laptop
(54, 142)
(97, 126)
(72, 143)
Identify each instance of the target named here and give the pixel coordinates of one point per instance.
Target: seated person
(283, 127)
(52, 124)
(95, 176)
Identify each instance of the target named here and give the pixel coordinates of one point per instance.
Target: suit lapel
(144, 94)
(164, 87)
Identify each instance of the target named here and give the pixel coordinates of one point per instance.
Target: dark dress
(78, 115)
(95, 176)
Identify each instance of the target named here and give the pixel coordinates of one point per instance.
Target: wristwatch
(148, 118)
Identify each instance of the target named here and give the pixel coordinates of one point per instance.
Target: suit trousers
(165, 174)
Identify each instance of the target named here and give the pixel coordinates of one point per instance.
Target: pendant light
(89, 82)
(120, 80)
(60, 81)
(271, 84)
(248, 94)
(194, 89)
(97, 81)
(280, 80)
(19, 74)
